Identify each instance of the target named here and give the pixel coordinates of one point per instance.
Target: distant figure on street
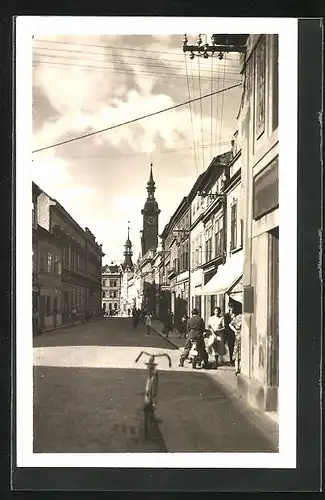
(196, 329)
(215, 340)
(87, 317)
(74, 314)
(235, 325)
(135, 317)
(129, 312)
(169, 322)
(148, 323)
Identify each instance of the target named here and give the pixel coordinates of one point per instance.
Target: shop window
(266, 190)
(233, 226)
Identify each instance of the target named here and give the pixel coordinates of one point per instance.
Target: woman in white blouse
(215, 341)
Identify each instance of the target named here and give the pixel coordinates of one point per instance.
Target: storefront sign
(266, 189)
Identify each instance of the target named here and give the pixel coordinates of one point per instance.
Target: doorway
(273, 307)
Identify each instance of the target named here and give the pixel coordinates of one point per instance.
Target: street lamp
(211, 196)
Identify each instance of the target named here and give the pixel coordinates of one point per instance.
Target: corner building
(258, 120)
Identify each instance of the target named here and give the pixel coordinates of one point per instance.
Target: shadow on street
(99, 410)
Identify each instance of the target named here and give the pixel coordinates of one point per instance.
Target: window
(114, 294)
(233, 226)
(48, 306)
(266, 190)
(260, 87)
(241, 233)
(275, 81)
(219, 238)
(208, 245)
(104, 295)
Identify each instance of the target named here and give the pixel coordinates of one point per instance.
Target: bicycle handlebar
(153, 356)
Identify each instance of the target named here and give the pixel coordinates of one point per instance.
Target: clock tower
(150, 213)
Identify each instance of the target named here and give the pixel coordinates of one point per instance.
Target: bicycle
(151, 390)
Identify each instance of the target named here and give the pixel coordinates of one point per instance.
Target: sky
(82, 84)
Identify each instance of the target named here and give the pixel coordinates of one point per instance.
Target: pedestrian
(183, 326)
(215, 340)
(135, 317)
(87, 317)
(74, 314)
(235, 325)
(196, 329)
(129, 312)
(229, 334)
(148, 323)
(169, 322)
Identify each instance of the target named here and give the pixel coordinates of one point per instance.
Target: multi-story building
(208, 234)
(175, 275)
(259, 131)
(223, 267)
(67, 264)
(111, 288)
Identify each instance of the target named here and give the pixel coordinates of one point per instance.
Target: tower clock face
(151, 220)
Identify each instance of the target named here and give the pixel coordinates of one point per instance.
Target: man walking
(196, 329)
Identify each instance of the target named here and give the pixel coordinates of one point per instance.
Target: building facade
(258, 120)
(66, 266)
(222, 219)
(175, 268)
(111, 288)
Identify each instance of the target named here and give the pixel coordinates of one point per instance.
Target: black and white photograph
(156, 242)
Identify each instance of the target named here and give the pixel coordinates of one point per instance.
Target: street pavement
(88, 396)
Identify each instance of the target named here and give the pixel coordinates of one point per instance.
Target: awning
(226, 276)
(238, 296)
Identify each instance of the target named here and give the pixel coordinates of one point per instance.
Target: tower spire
(128, 264)
(151, 185)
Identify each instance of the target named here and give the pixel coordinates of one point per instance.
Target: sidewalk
(67, 325)
(225, 377)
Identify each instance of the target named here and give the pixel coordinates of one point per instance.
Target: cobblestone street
(88, 395)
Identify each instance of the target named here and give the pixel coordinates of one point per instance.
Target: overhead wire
(158, 152)
(90, 134)
(112, 69)
(165, 64)
(198, 61)
(191, 115)
(211, 108)
(222, 97)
